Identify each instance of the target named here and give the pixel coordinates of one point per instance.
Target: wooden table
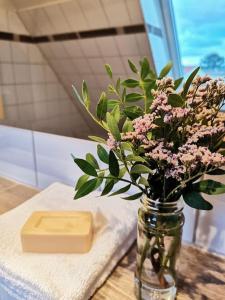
(202, 275)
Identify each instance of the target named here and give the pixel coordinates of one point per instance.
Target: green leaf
(108, 187)
(81, 181)
(166, 69)
(132, 66)
(133, 112)
(127, 126)
(102, 106)
(144, 68)
(195, 200)
(132, 157)
(85, 94)
(86, 188)
(133, 97)
(222, 152)
(111, 89)
(140, 169)
(217, 172)
(111, 103)
(77, 95)
(116, 113)
(105, 125)
(103, 154)
(121, 191)
(113, 127)
(177, 82)
(113, 164)
(108, 70)
(124, 94)
(127, 146)
(210, 187)
(175, 100)
(118, 85)
(122, 172)
(143, 181)
(99, 180)
(131, 83)
(85, 167)
(92, 161)
(133, 197)
(97, 139)
(189, 81)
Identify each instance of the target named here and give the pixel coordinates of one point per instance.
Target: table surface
(201, 275)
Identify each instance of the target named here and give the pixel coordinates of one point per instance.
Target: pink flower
(143, 124)
(111, 142)
(176, 113)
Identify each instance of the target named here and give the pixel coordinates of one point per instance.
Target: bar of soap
(58, 232)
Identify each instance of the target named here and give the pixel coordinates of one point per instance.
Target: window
(201, 27)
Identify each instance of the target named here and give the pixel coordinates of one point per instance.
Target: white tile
(26, 112)
(74, 15)
(127, 44)
(5, 51)
(46, 49)
(16, 156)
(52, 91)
(3, 20)
(15, 24)
(50, 75)
(35, 56)
(7, 75)
(9, 94)
(103, 81)
(54, 161)
(37, 73)
(58, 50)
(39, 92)
(29, 21)
(135, 13)
(94, 14)
(11, 113)
(143, 44)
(20, 52)
(57, 18)
(116, 12)
(97, 65)
(22, 73)
(116, 63)
(66, 66)
(40, 110)
(73, 48)
(82, 66)
(62, 92)
(42, 23)
(24, 93)
(89, 47)
(52, 108)
(107, 46)
(211, 224)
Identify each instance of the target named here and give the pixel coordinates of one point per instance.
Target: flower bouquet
(163, 136)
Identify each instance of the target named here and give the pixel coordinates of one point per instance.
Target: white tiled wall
(16, 155)
(81, 59)
(211, 224)
(32, 95)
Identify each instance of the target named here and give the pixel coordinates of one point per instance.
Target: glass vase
(158, 245)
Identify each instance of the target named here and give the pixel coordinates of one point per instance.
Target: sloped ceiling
(83, 57)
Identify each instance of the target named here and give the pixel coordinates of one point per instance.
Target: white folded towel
(30, 276)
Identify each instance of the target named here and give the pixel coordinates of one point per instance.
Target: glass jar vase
(158, 245)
